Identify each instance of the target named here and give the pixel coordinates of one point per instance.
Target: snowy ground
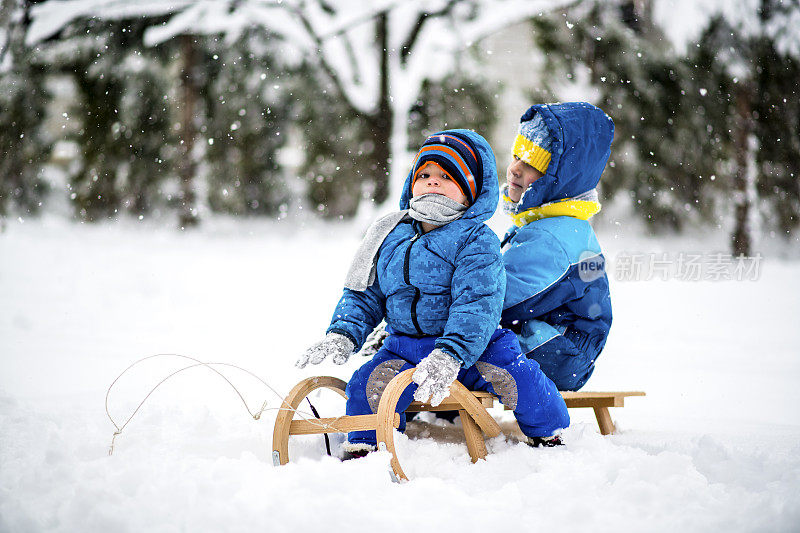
(715, 444)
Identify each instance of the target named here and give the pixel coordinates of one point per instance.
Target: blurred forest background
(177, 110)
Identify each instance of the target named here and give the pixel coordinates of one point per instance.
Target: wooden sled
(471, 406)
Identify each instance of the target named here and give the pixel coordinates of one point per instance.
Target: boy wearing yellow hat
(557, 295)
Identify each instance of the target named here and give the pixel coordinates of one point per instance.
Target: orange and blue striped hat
(455, 154)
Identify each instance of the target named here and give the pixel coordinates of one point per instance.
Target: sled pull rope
(327, 440)
(210, 366)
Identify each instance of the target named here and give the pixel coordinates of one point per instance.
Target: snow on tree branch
(342, 35)
(50, 17)
(776, 20)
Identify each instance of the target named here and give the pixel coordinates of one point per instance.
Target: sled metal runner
(471, 406)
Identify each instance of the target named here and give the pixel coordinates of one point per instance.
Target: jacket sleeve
(533, 269)
(358, 313)
(477, 291)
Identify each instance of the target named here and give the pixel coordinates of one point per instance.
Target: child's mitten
(334, 344)
(434, 375)
(374, 341)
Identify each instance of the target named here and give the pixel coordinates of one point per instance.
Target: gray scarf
(434, 209)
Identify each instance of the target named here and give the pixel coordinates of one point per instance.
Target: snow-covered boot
(545, 442)
(352, 450)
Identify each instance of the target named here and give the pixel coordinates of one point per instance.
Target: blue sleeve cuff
(356, 345)
(446, 348)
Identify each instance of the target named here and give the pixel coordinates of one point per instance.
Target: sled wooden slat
(592, 402)
(604, 394)
(597, 399)
(450, 404)
(340, 424)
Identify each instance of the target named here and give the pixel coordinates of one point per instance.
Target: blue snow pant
(501, 370)
(567, 359)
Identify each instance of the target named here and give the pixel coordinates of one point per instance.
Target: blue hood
(582, 135)
(486, 203)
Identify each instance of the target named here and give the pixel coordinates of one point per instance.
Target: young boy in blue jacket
(557, 297)
(434, 272)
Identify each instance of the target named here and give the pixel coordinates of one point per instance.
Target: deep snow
(714, 445)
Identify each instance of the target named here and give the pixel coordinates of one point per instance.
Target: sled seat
(471, 406)
(600, 402)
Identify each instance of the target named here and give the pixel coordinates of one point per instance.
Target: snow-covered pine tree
(763, 64)
(124, 136)
(246, 101)
(145, 124)
(147, 110)
(24, 145)
(334, 165)
(334, 142)
(659, 114)
(458, 101)
(155, 118)
(748, 57)
(776, 112)
(697, 133)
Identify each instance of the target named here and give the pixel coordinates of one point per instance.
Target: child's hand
(334, 344)
(374, 341)
(434, 375)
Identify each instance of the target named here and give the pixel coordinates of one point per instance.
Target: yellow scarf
(582, 209)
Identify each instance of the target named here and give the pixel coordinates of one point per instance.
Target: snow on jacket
(448, 283)
(556, 282)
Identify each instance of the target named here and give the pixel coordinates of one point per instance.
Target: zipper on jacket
(407, 278)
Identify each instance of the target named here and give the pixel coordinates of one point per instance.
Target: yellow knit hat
(533, 143)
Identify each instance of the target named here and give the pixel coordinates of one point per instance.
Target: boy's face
(519, 176)
(432, 179)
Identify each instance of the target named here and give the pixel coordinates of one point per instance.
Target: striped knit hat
(456, 156)
(533, 143)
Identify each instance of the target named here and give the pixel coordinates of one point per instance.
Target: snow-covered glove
(374, 341)
(334, 344)
(434, 375)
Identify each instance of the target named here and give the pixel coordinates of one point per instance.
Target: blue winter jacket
(557, 295)
(448, 283)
